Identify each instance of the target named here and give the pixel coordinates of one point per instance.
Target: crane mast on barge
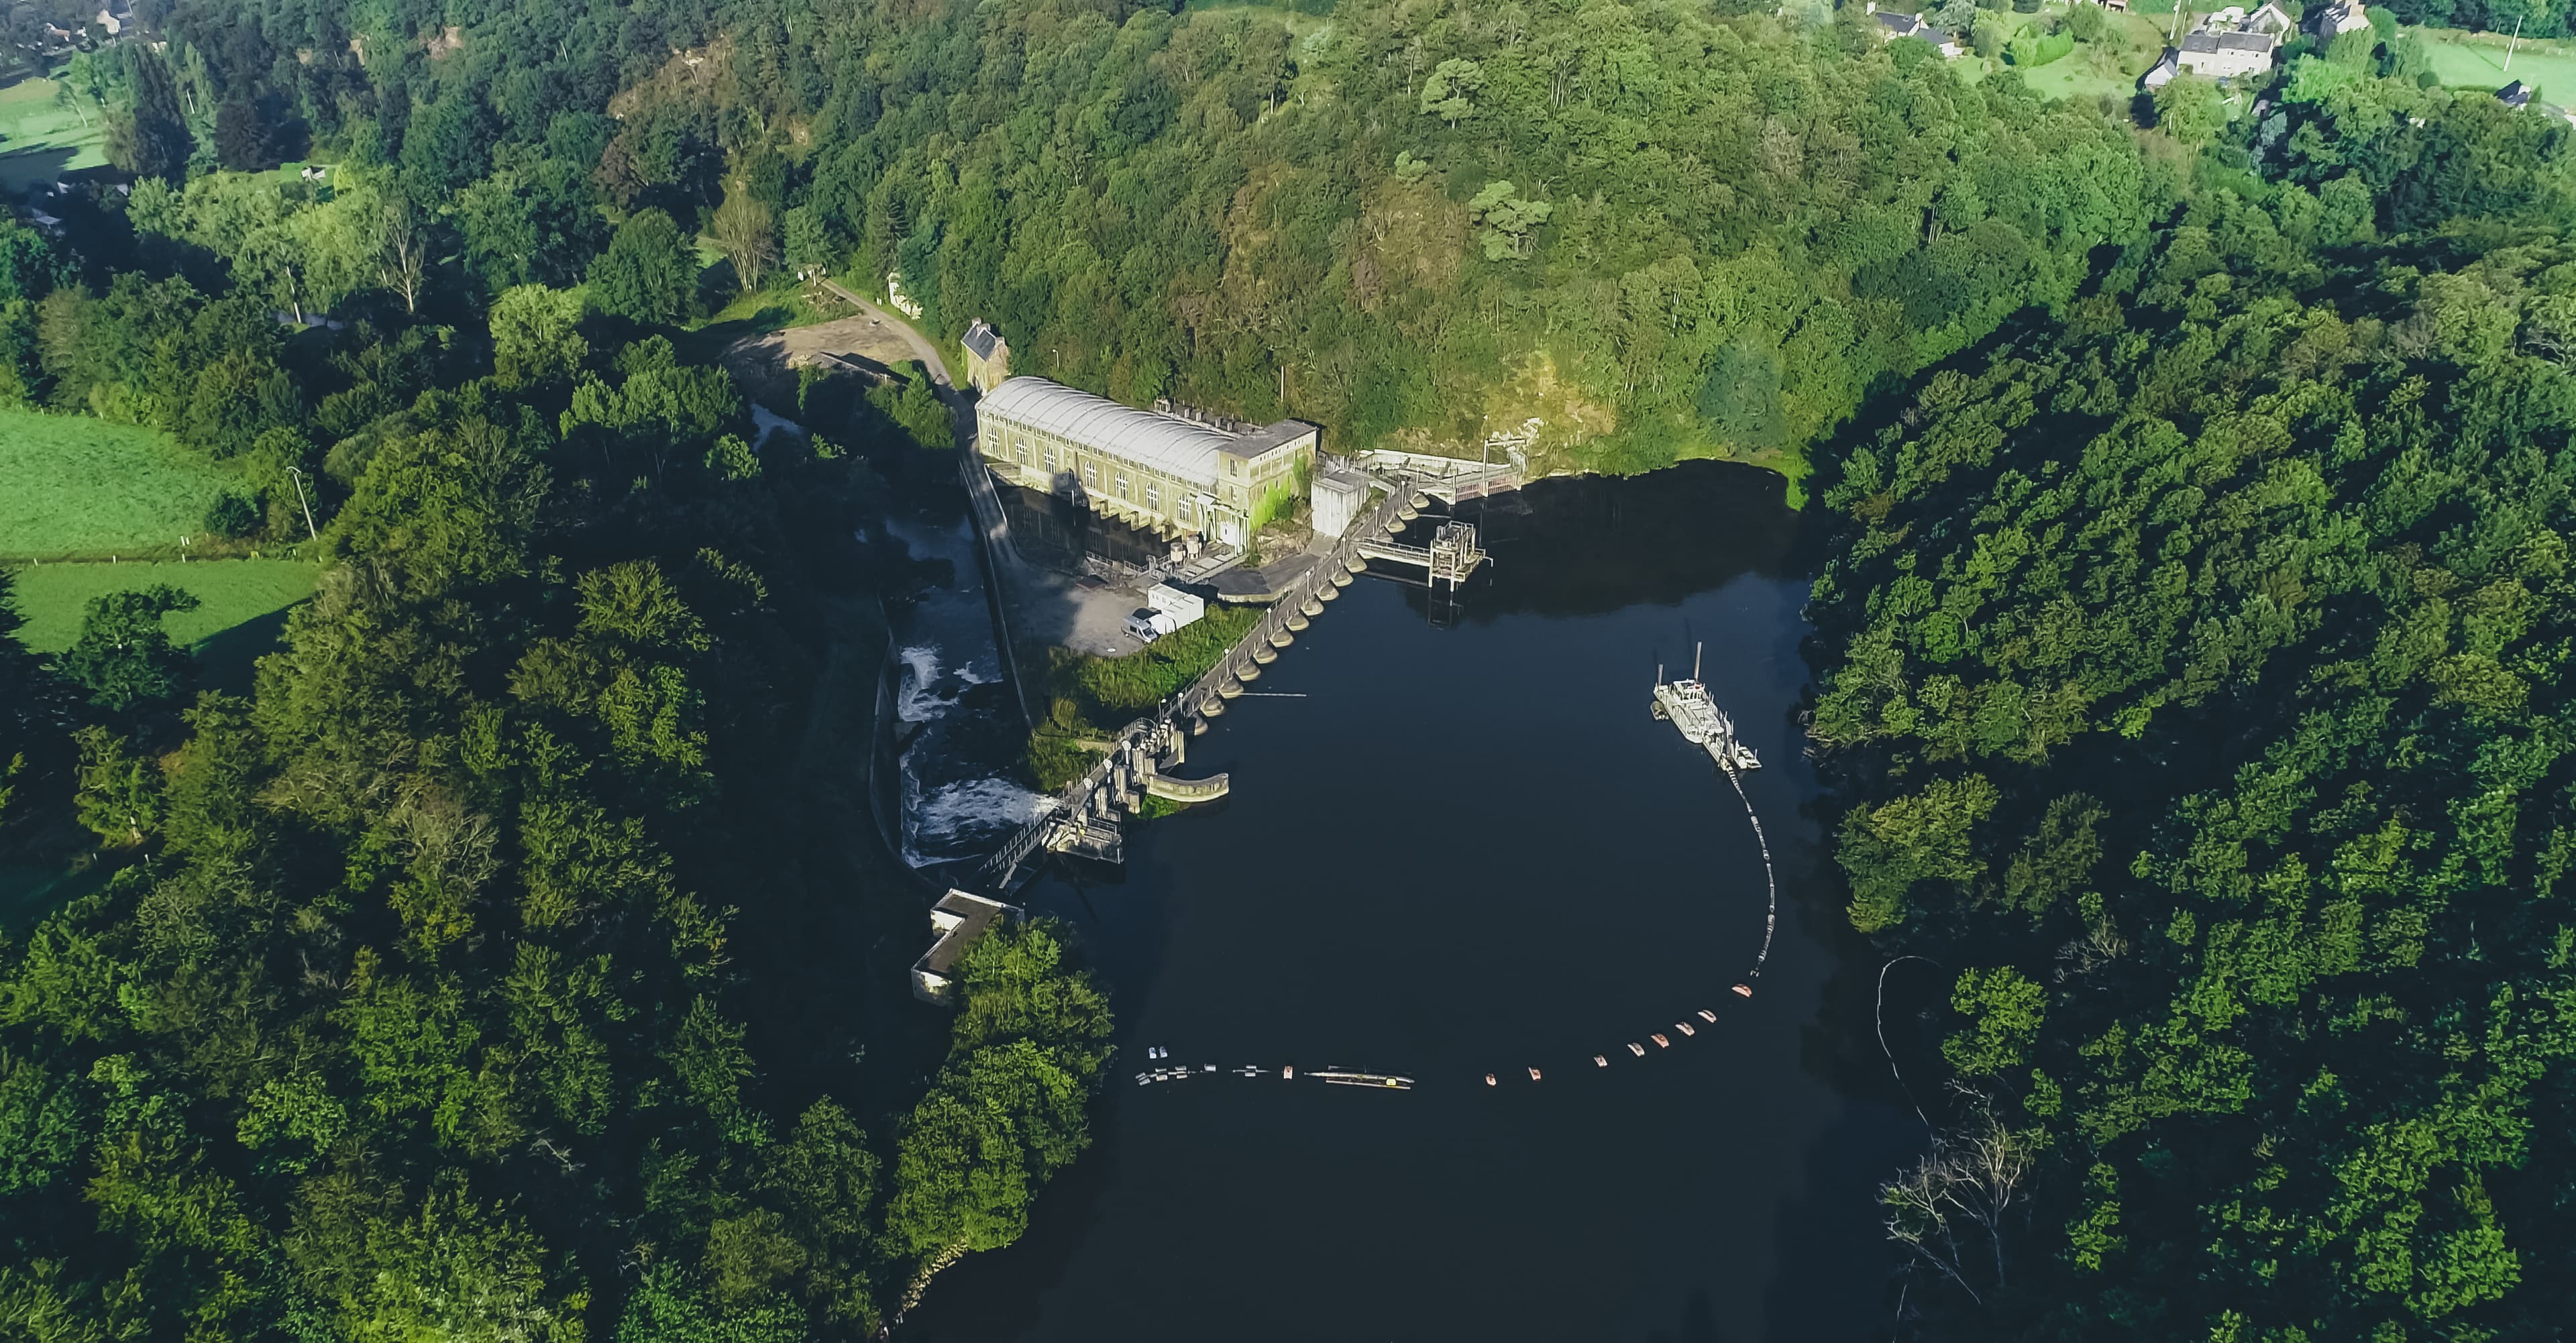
(1688, 705)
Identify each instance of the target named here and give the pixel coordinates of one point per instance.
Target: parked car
(1148, 624)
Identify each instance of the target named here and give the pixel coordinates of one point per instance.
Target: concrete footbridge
(1083, 819)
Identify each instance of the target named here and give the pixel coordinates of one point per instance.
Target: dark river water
(1468, 849)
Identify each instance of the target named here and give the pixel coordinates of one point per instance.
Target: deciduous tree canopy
(2193, 676)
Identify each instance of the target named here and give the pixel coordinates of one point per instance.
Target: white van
(1148, 624)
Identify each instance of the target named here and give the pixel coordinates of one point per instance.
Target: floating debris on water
(1342, 1077)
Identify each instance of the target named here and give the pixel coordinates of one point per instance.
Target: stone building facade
(1169, 472)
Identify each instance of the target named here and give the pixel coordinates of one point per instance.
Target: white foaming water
(966, 809)
(953, 807)
(917, 698)
(765, 421)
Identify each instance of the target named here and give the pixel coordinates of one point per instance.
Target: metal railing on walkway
(1075, 800)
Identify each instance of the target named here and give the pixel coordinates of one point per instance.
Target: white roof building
(1166, 471)
(1182, 447)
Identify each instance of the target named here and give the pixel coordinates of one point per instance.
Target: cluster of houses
(2234, 42)
(2224, 45)
(110, 23)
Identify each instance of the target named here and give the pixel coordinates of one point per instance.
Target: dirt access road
(1045, 606)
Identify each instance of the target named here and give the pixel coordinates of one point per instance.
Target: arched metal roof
(1183, 448)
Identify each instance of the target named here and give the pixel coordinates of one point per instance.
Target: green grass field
(83, 488)
(2477, 61)
(41, 140)
(2089, 72)
(234, 592)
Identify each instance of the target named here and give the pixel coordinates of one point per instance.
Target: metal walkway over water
(1083, 818)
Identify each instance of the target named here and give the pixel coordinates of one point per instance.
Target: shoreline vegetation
(1089, 697)
(479, 965)
(2170, 656)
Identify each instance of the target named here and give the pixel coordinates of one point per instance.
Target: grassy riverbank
(1089, 697)
(84, 488)
(230, 593)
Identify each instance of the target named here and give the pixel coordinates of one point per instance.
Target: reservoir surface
(1459, 844)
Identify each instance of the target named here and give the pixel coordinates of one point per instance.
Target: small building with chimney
(988, 357)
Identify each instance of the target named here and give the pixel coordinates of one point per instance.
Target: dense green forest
(1661, 229)
(2194, 687)
(448, 986)
(2187, 654)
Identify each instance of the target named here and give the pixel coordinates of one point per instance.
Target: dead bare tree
(402, 255)
(1953, 1210)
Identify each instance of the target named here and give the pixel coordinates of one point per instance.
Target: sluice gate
(1083, 819)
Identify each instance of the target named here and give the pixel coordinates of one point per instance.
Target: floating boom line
(1771, 915)
(1689, 706)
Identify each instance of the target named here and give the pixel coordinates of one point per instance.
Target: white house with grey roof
(1168, 471)
(1909, 25)
(2228, 43)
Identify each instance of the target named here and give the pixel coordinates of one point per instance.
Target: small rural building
(988, 357)
(1166, 471)
(2273, 21)
(2224, 55)
(2515, 95)
(959, 918)
(898, 300)
(2232, 42)
(2338, 19)
(2163, 72)
(1907, 25)
(1341, 495)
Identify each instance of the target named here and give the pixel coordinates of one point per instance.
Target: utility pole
(2509, 46)
(296, 474)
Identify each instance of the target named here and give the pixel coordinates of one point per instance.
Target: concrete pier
(1133, 767)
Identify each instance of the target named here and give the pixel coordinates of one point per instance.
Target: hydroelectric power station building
(1165, 471)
